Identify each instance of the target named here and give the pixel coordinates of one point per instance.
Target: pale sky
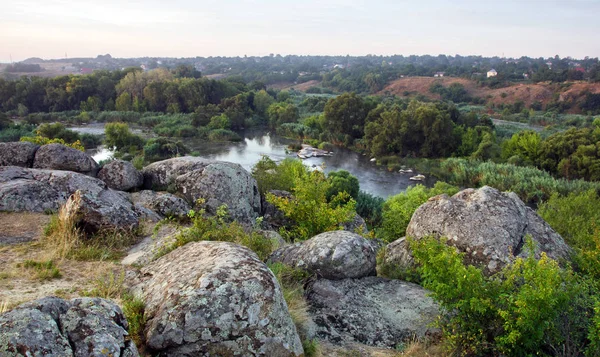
(189, 28)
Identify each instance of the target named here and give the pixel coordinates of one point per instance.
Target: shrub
(272, 176)
(398, 210)
(134, 311)
(531, 307)
(223, 135)
(118, 135)
(342, 181)
(40, 140)
(206, 228)
(370, 208)
(309, 208)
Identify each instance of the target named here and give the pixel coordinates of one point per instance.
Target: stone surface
(163, 203)
(397, 253)
(108, 209)
(488, 225)
(54, 327)
(373, 311)
(17, 154)
(331, 255)
(215, 298)
(121, 175)
(36, 190)
(145, 251)
(215, 182)
(60, 157)
(356, 225)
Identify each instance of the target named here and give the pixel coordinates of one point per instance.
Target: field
(526, 92)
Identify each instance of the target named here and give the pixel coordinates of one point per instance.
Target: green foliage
(43, 270)
(118, 136)
(219, 122)
(398, 209)
(530, 184)
(279, 113)
(455, 92)
(134, 311)
(370, 208)
(223, 135)
(342, 181)
(527, 145)
(576, 218)
(217, 228)
(272, 176)
(346, 115)
(163, 148)
(309, 208)
(14, 132)
(40, 140)
(531, 307)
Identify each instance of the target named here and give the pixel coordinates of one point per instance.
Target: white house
(439, 74)
(492, 73)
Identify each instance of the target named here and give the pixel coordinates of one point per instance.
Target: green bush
(342, 181)
(118, 136)
(163, 148)
(370, 208)
(223, 135)
(310, 210)
(530, 184)
(15, 132)
(532, 307)
(398, 209)
(272, 176)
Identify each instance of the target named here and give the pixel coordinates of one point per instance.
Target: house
(439, 74)
(526, 75)
(492, 73)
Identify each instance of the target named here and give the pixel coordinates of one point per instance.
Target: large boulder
(216, 183)
(33, 190)
(488, 225)
(215, 299)
(56, 327)
(331, 255)
(163, 203)
(108, 209)
(60, 157)
(373, 311)
(17, 154)
(121, 175)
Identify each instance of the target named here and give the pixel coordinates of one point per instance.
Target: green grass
(43, 270)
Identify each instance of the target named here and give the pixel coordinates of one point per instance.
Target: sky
(190, 28)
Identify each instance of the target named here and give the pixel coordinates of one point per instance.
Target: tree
(123, 102)
(279, 113)
(342, 181)
(118, 136)
(346, 114)
(262, 101)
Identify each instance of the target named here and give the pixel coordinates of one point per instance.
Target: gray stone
(488, 225)
(121, 175)
(163, 203)
(356, 225)
(215, 182)
(108, 209)
(373, 311)
(215, 298)
(331, 255)
(397, 253)
(60, 157)
(274, 237)
(56, 328)
(17, 154)
(147, 249)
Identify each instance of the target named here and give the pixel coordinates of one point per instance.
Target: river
(373, 179)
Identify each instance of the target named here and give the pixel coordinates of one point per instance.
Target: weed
(43, 270)
(108, 286)
(134, 309)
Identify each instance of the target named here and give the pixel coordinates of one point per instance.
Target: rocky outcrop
(215, 299)
(163, 203)
(147, 249)
(356, 225)
(17, 154)
(373, 311)
(56, 327)
(488, 225)
(107, 210)
(121, 175)
(216, 183)
(398, 253)
(331, 255)
(60, 157)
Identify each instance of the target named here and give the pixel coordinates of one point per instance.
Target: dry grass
(420, 349)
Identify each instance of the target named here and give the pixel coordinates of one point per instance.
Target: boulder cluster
(219, 299)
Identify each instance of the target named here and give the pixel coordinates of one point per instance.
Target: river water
(373, 179)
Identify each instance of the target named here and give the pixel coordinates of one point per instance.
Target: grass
(42, 270)
(292, 282)
(63, 240)
(108, 286)
(4, 307)
(134, 310)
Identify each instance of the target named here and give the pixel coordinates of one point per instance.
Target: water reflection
(373, 179)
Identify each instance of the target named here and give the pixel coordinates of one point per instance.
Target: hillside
(529, 93)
